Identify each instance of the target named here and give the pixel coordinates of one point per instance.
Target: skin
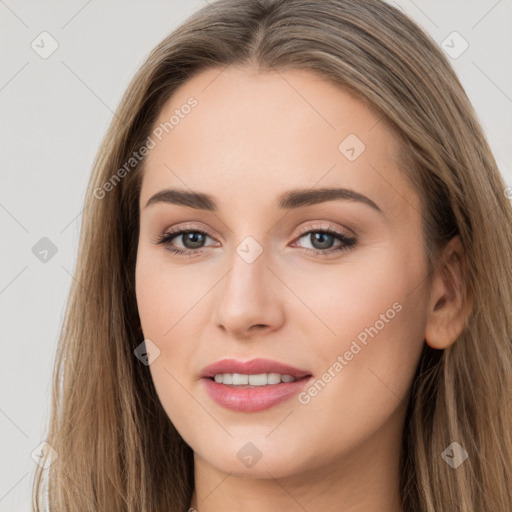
(251, 137)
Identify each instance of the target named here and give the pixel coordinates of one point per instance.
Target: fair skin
(252, 137)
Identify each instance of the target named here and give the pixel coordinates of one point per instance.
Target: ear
(448, 307)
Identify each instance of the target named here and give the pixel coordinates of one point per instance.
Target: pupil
(193, 240)
(321, 240)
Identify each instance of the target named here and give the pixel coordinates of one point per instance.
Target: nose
(250, 299)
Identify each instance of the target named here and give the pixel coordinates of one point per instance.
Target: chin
(258, 458)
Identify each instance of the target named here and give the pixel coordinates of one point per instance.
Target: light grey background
(54, 114)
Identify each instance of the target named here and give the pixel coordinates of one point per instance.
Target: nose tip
(248, 301)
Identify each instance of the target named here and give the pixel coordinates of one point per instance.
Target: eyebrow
(288, 200)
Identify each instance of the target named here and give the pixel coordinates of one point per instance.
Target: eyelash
(348, 243)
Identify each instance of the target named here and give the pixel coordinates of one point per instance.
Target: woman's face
(275, 267)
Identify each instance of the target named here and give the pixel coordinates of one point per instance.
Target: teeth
(258, 380)
(273, 378)
(240, 380)
(261, 379)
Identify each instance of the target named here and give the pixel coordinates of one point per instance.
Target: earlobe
(448, 305)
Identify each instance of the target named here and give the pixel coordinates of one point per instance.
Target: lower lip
(253, 399)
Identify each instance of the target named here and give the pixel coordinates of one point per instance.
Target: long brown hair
(117, 449)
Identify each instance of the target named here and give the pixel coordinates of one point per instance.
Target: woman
(289, 294)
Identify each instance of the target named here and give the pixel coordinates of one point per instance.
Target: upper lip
(252, 367)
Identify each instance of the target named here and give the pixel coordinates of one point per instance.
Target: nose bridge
(247, 278)
(247, 297)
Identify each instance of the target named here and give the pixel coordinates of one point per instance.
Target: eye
(191, 241)
(322, 240)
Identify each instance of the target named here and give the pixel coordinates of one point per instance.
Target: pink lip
(252, 367)
(257, 398)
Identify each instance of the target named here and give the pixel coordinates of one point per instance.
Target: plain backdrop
(55, 110)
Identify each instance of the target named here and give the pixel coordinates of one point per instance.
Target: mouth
(254, 385)
(256, 368)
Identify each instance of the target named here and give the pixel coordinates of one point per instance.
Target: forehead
(251, 135)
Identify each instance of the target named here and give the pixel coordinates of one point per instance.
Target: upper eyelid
(302, 229)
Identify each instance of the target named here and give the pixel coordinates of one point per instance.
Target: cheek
(376, 316)
(376, 297)
(366, 374)
(164, 297)
(164, 300)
